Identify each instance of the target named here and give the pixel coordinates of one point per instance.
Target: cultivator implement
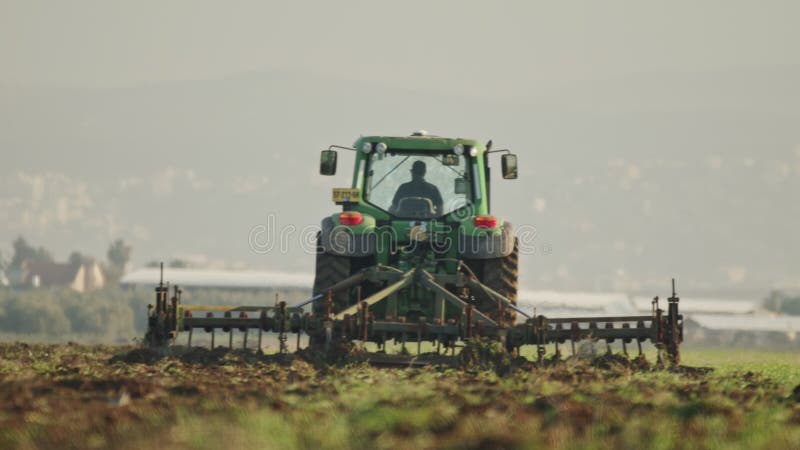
(376, 318)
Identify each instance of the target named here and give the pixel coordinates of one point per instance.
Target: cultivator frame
(357, 322)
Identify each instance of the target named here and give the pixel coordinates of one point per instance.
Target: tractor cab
(419, 177)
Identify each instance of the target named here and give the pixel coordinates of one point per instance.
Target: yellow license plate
(345, 195)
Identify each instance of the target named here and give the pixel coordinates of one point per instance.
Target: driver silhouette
(418, 187)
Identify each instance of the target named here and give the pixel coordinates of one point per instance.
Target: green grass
(781, 367)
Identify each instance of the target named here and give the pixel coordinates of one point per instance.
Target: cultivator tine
(262, 318)
(282, 326)
(364, 321)
(228, 330)
(403, 338)
(540, 351)
(575, 335)
(243, 315)
(420, 326)
(559, 327)
(625, 341)
(639, 340)
(188, 315)
(211, 330)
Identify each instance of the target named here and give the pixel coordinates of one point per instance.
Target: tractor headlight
(458, 149)
(381, 147)
(473, 151)
(366, 147)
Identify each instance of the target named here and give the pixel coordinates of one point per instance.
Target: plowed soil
(72, 396)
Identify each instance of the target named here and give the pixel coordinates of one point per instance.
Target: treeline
(112, 315)
(118, 255)
(779, 302)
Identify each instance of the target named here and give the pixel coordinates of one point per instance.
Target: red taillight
(485, 221)
(350, 218)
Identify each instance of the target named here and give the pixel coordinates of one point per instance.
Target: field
(73, 396)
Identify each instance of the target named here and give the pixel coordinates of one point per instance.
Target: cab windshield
(418, 185)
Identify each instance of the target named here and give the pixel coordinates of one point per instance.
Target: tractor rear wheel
(501, 275)
(331, 269)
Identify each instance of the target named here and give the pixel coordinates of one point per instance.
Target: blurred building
(80, 276)
(219, 279)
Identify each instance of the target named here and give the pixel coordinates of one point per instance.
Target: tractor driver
(418, 187)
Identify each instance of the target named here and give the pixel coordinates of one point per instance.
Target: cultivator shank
(376, 318)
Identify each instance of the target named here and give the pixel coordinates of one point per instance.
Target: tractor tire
(501, 275)
(330, 269)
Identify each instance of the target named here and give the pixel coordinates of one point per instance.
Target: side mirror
(327, 162)
(509, 164)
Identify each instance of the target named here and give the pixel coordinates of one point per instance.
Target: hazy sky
(655, 138)
(486, 49)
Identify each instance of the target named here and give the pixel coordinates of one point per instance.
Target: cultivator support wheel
(359, 321)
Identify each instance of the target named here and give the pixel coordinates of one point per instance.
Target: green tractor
(418, 201)
(415, 254)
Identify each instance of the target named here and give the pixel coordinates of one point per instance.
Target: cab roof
(418, 142)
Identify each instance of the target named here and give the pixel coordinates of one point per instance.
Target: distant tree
(178, 264)
(175, 264)
(779, 302)
(25, 252)
(76, 258)
(118, 255)
(774, 300)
